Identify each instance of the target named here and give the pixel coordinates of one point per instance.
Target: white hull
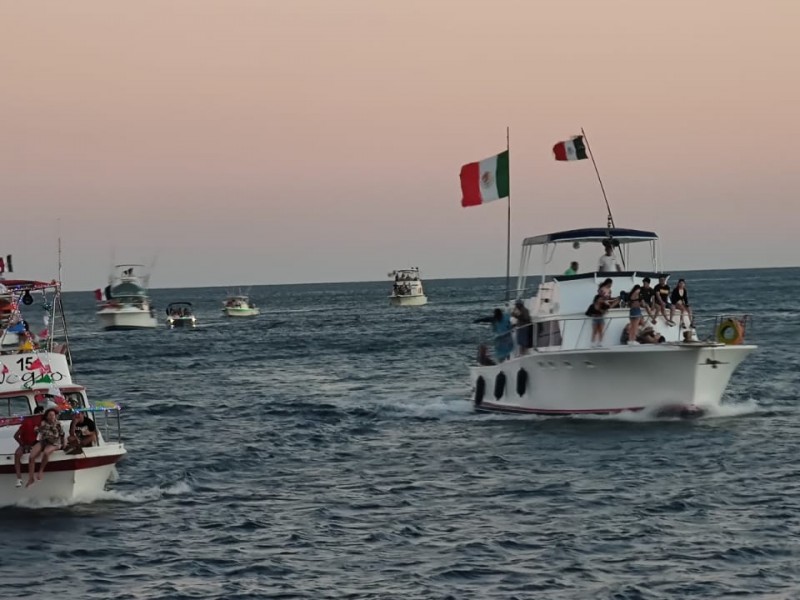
(126, 318)
(66, 477)
(415, 300)
(610, 380)
(241, 312)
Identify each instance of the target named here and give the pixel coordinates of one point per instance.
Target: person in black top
(662, 299)
(680, 300)
(647, 297)
(82, 433)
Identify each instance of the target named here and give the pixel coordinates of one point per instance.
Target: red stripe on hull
(471, 185)
(73, 464)
(491, 407)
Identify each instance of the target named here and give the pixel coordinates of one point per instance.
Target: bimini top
(623, 236)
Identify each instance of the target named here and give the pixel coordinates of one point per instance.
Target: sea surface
(328, 449)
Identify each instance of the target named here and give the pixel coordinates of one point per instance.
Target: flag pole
(508, 225)
(603, 189)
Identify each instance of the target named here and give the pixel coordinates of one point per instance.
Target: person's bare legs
(35, 451)
(45, 458)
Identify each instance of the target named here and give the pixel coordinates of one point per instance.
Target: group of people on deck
(641, 300)
(42, 434)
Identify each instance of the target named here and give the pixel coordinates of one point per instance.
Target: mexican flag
(573, 149)
(484, 181)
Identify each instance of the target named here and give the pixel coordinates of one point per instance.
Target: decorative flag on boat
(6, 265)
(572, 149)
(484, 181)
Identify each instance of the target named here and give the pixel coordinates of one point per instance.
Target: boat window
(75, 399)
(14, 406)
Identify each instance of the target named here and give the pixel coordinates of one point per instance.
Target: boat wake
(142, 496)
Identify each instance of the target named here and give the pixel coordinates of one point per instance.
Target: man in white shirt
(607, 261)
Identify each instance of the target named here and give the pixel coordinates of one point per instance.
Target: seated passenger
(483, 356)
(26, 438)
(647, 295)
(662, 299)
(82, 433)
(51, 438)
(680, 300)
(650, 336)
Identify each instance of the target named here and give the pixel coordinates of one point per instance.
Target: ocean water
(328, 449)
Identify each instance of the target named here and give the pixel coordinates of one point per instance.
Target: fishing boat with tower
(558, 356)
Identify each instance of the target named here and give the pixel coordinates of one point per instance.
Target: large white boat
(127, 303)
(564, 371)
(407, 288)
(239, 305)
(39, 374)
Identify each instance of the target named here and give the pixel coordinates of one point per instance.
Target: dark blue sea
(328, 449)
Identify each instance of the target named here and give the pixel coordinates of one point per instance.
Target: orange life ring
(730, 332)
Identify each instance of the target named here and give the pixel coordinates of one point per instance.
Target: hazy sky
(250, 142)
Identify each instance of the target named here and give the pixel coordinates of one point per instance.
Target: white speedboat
(127, 304)
(564, 372)
(239, 305)
(180, 314)
(407, 288)
(41, 376)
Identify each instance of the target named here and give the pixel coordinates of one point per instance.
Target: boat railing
(549, 334)
(111, 427)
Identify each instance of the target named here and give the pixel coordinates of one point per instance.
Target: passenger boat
(563, 371)
(180, 314)
(407, 288)
(239, 305)
(37, 372)
(127, 303)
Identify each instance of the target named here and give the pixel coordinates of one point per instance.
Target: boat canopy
(179, 304)
(599, 234)
(26, 284)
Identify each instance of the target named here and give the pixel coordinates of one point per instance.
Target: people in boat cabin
(26, 438)
(27, 339)
(573, 268)
(662, 299)
(647, 295)
(680, 299)
(51, 438)
(82, 433)
(607, 262)
(597, 310)
(635, 310)
(524, 327)
(500, 324)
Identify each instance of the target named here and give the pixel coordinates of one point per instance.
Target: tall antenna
(58, 225)
(602, 188)
(508, 226)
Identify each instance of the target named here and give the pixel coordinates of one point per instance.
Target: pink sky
(250, 142)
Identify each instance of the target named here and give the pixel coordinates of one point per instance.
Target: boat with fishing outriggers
(407, 288)
(127, 302)
(180, 315)
(239, 305)
(564, 358)
(35, 381)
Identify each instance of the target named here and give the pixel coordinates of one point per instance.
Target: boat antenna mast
(610, 220)
(508, 224)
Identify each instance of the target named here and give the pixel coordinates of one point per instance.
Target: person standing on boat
(501, 326)
(635, 313)
(524, 327)
(26, 438)
(51, 439)
(607, 262)
(597, 311)
(573, 268)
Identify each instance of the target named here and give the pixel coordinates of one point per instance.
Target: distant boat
(407, 288)
(180, 314)
(239, 305)
(127, 304)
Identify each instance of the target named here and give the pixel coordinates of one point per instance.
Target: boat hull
(241, 312)
(181, 323)
(416, 300)
(66, 477)
(126, 319)
(658, 378)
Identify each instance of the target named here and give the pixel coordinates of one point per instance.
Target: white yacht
(126, 304)
(564, 369)
(239, 305)
(407, 288)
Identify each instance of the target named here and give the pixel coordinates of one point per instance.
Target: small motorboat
(180, 314)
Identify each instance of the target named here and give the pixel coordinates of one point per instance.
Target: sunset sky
(257, 142)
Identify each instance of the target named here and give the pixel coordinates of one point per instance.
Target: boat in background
(180, 314)
(239, 305)
(562, 370)
(127, 304)
(407, 288)
(38, 374)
